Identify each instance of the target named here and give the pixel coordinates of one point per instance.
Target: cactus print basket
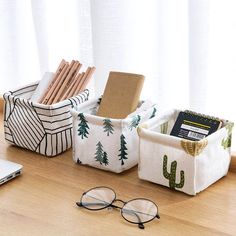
(45, 129)
(180, 164)
(104, 143)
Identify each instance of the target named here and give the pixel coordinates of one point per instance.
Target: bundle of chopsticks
(67, 82)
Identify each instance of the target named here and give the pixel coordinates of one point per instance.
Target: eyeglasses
(136, 211)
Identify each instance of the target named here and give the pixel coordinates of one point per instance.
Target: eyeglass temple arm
(80, 204)
(140, 224)
(131, 212)
(101, 203)
(90, 204)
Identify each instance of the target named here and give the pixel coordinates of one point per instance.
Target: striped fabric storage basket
(45, 129)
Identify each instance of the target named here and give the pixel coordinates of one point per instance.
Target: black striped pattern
(46, 129)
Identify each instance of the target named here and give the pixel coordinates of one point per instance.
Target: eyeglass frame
(111, 205)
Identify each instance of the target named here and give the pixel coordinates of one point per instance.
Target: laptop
(9, 170)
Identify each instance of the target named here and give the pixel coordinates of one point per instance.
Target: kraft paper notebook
(121, 95)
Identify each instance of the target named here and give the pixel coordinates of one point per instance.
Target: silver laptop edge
(9, 170)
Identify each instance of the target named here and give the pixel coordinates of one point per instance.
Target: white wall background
(185, 48)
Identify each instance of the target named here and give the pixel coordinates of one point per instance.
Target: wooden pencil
(64, 82)
(80, 82)
(85, 81)
(60, 83)
(52, 89)
(58, 71)
(75, 69)
(77, 81)
(52, 85)
(71, 86)
(67, 82)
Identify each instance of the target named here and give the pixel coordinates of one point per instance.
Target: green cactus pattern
(226, 143)
(107, 126)
(172, 175)
(83, 126)
(164, 128)
(153, 113)
(135, 122)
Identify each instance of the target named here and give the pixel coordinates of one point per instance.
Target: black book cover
(194, 126)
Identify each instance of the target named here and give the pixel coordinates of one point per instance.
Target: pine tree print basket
(45, 129)
(180, 164)
(104, 143)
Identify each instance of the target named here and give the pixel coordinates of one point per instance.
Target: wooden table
(42, 201)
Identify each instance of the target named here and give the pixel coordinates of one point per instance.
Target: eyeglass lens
(139, 210)
(98, 198)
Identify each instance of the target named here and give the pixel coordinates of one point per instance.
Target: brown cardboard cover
(121, 95)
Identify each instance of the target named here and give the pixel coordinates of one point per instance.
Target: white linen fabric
(105, 143)
(183, 165)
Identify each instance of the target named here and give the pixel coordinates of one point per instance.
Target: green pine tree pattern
(105, 159)
(153, 113)
(134, 122)
(99, 153)
(83, 126)
(123, 154)
(107, 126)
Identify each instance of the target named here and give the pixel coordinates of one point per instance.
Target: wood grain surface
(1, 103)
(42, 201)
